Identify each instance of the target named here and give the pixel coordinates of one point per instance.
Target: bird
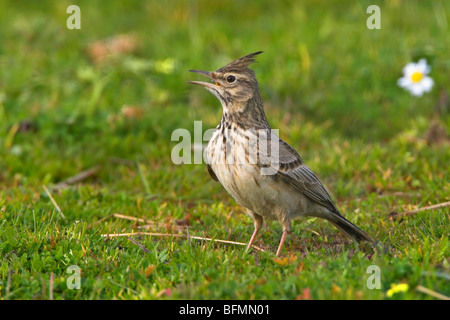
(262, 172)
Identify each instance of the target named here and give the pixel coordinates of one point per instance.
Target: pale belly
(265, 195)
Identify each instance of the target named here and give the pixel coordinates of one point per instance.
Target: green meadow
(87, 179)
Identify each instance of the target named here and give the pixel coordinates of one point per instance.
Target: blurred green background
(111, 94)
(321, 62)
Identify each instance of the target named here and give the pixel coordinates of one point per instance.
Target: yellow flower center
(416, 76)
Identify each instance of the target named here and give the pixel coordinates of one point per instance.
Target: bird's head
(234, 85)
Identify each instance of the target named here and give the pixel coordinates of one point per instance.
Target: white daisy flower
(415, 78)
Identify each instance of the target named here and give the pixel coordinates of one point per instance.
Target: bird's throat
(246, 115)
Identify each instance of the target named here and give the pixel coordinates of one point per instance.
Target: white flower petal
(416, 84)
(423, 67)
(427, 83)
(404, 82)
(409, 69)
(416, 90)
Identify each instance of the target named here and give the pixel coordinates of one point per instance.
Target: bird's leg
(283, 237)
(286, 229)
(258, 223)
(252, 239)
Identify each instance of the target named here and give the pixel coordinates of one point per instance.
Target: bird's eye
(231, 79)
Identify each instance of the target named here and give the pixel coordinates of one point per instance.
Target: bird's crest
(241, 63)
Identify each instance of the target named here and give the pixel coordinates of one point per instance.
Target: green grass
(329, 85)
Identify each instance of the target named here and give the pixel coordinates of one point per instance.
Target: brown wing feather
(291, 169)
(211, 173)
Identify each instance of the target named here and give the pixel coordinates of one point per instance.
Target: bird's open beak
(208, 85)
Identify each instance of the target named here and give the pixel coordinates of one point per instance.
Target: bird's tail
(349, 229)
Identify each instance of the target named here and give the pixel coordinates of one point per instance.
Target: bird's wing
(291, 169)
(211, 173)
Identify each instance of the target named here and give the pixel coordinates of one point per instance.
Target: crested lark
(273, 183)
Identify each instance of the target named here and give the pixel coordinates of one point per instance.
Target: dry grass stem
(432, 293)
(157, 234)
(83, 175)
(54, 202)
(395, 215)
(138, 244)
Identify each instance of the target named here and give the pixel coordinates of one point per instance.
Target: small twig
(177, 236)
(148, 223)
(311, 230)
(138, 244)
(77, 178)
(161, 225)
(119, 216)
(125, 217)
(54, 202)
(395, 215)
(432, 293)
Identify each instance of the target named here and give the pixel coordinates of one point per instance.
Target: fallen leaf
(119, 44)
(285, 260)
